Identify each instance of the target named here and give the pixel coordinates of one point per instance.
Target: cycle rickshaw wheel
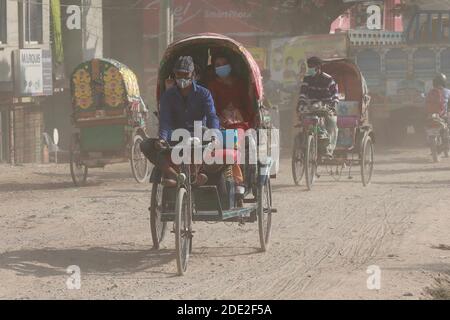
(310, 161)
(182, 231)
(139, 164)
(158, 228)
(298, 168)
(367, 161)
(78, 170)
(264, 208)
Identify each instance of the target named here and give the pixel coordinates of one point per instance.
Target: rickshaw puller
(180, 107)
(318, 85)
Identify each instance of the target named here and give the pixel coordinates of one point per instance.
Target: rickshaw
(110, 119)
(185, 203)
(355, 145)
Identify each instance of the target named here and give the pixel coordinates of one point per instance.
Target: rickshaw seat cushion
(347, 122)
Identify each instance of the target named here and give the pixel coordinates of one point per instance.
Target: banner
(289, 55)
(58, 51)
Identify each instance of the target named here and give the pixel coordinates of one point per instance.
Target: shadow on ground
(52, 262)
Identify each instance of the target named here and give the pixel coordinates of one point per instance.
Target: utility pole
(165, 26)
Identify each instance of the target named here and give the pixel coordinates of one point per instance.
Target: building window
(33, 21)
(2, 21)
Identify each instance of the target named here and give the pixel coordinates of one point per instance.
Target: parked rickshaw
(356, 138)
(110, 118)
(185, 203)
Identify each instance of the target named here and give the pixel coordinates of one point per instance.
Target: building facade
(41, 41)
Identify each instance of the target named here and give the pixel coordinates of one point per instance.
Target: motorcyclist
(439, 96)
(318, 85)
(437, 103)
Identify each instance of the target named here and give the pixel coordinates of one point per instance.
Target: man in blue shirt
(181, 106)
(186, 102)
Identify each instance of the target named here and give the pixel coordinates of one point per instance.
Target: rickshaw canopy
(351, 83)
(198, 46)
(103, 84)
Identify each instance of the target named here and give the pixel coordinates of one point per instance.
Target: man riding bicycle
(318, 85)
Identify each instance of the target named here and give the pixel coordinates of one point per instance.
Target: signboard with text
(33, 72)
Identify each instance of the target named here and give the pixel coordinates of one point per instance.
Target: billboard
(289, 55)
(33, 72)
(260, 56)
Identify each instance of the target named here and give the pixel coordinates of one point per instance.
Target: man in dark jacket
(318, 85)
(181, 106)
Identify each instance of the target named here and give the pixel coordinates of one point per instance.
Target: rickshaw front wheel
(264, 212)
(310, 161)
(183, 236)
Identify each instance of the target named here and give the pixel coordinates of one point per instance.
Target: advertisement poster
(289, 55)
(260, 56)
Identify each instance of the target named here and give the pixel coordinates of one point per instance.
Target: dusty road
(323, 241)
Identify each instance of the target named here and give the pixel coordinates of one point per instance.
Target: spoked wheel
(140, 166)
(78, 170)
(367, 161)
(434, 149)
(298, 168)
(183, 235)
(264, 212)
(158, 228)
(311, 161)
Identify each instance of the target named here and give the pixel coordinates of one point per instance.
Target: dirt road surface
(323, 242)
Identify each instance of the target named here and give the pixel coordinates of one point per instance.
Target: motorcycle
(438, 136)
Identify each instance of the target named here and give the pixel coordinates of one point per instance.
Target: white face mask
(311, 72)
(183, 83)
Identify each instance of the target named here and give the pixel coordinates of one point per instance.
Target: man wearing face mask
(183, 104)
(318, 85)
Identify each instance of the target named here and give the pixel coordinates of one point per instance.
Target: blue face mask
(223, 71)
(311, 72)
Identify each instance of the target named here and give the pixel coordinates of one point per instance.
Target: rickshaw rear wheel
(264, 212)
(367, 161)
(183, 236)
(310, 161)
(157, 227)
(298, 168)
(140, 166)
(78, 170)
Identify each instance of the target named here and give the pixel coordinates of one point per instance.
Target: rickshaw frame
(361, 150)
(134, 131)
(256, 210)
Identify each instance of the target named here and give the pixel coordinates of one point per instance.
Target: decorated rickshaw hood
(117, 83)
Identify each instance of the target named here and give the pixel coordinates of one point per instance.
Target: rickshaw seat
(347, 122)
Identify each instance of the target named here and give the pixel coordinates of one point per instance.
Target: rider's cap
(314, 62)
(184, 64)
